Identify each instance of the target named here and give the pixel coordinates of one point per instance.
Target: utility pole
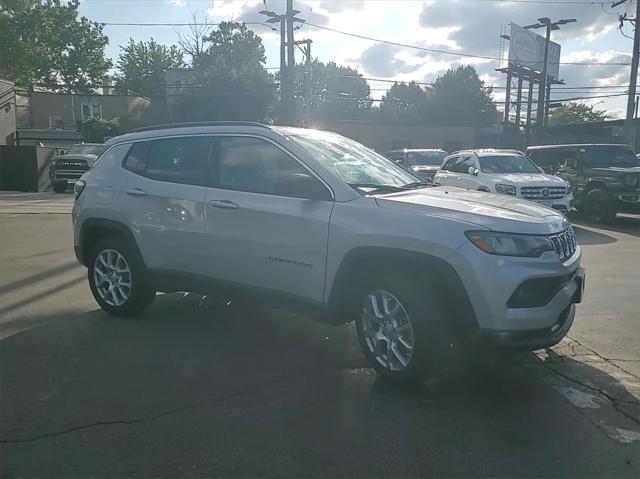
(291, 65)
(283, 67)
(308, 78)
(287, 68)
(629, 130)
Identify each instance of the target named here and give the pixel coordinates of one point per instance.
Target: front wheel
(400, 327)
(117, 278)
(599, 206)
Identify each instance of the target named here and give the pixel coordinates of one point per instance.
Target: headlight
(630, 180)
(507, 244)
(78, 187)
(506, 189)
(568, 185)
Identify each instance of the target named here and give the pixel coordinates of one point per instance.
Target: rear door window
(179, 160)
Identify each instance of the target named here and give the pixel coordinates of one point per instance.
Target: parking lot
(201, 387)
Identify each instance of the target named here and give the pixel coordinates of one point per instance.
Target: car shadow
(236, 390)
(622, 223)
(589, 237)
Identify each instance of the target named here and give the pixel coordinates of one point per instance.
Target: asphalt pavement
(203, 388)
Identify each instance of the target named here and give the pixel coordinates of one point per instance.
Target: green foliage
(229, 80)
(142, 67)
(405, 103)
(337, 93)
(575, 113)
(96, 130)
(460, 98)
(44, 43)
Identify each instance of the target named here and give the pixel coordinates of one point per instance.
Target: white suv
(506, 172)
(313, 221)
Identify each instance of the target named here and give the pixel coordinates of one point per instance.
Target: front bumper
(628, 202)
(491, 282)
(564, 204)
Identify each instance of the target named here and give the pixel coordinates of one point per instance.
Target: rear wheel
(400, 326)
(599, 206)
(117, 278)
(59, 187)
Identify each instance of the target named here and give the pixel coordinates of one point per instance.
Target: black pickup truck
(66, 169)
(605, 178)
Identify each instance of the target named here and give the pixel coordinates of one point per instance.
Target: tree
(575, 113)
(142, 67)
(337, 93)
(460, 98)
(405, 103)
(229, 81)
(44, 43)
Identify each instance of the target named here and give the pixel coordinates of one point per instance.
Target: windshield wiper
(417, 184)
(377, 187)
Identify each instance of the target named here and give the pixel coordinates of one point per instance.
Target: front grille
(565, 243)
(73, 165)
(68, 175)
(543, 192)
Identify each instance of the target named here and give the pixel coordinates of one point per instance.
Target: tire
(599, 206)
(59, 187)
(112, 256)
(424, 313)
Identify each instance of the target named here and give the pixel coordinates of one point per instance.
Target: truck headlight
(506, 189)
(630, 180)
(508, 244)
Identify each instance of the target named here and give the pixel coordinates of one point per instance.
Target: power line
(446, 52)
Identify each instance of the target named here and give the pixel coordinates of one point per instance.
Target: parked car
(423, 163)
(507, 172)
(605, 178)
(66, 169)
(316, 222)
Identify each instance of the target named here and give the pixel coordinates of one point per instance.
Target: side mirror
(399, 162)
(302, 185)
(473, 171)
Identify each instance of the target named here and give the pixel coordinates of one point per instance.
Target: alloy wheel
(387, 330)
(112, 277)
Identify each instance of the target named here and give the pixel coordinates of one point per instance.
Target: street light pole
(542, 89)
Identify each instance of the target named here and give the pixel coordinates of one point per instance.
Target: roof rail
(197, 123)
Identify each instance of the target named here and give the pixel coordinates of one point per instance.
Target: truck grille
(543, 192)
(565, 243)
(72, 165)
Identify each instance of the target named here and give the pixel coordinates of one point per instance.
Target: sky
(459, 26)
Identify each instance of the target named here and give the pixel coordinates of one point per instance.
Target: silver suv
(313, 221)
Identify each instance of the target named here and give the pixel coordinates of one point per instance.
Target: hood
(487, 210)
(424, 168)
(526, 179)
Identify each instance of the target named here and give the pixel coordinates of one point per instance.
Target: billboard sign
(526, 49)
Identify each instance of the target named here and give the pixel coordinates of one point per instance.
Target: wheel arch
(436, 271)
(95, 229)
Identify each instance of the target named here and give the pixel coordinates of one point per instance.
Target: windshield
(606, 155)
(507, 164)
(351, 161)
(86, 150)
(434, 158)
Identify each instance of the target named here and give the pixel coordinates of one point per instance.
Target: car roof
(491, 152)
(404, 150)
(575, 145)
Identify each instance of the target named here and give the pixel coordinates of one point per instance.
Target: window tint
(137, 158)
(115, 153)
(179, 160)
(253, 164)
(549, 160)
(448, 162)
(462, 164)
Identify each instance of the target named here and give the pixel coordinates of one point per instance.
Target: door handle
(223, 204)
(136, 192)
